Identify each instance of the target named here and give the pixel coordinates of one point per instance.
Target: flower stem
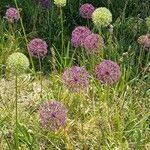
(82, 111)
(102, 51)
(16, 111)
(88, 23)
(25, 37)
(11, 29)
(62, 29)
(41, 82)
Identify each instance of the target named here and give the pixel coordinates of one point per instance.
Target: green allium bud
(60, 3)
(101, 17)
(17, 63)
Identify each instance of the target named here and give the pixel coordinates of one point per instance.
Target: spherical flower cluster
(53, 115)
(45, 3)
(144, 41)
(93, 43)
(101, 17)
(76, 78)
(108, 72)
(12, 14)
(78, 35)
(60, 3)
(17, 63)
(37, 48)
(148, 23)
(86, 10)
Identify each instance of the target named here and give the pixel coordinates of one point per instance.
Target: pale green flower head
(17, 63)
(60, 3)
(101, 17)
(148, 23)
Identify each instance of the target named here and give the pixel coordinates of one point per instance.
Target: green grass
(101, 118)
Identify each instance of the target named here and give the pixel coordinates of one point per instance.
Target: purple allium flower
(86, 10)
(108, 72)
(37, 48)
(12, 14)
(93, 43)
(45, 3)
(78, 35)
(76, 78)
(53, 115)
(144, 41)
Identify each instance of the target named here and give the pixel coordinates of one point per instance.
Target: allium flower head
(76, 78)
(93, 43)
(60, 3)
(86, 10)
(37, 48)
(144, 41)
(101, 17)
(12, 14)
(78, 35)
(17, 63)
(148, 23)
(45, 3)
(53, 115)
(108, 72)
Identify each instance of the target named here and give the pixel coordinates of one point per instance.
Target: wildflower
(37, 47)
(53, 115)
(93, 43)
(108, 72)
(76, 78)
(86, 10)
(12, 14)
(101, 17)
(148, 23)
(144, 41)
(60, 3)
(78, 35)
(17, 63)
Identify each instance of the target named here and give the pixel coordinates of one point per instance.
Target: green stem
(140, 61)
(82, 111)
(11, 29)
(106, 92)
(36, 17)
(83, 60)
(41, 83)
(16, 107)
(62, 29)
(25, 37)
(88, 22)
(102, 51)
(93, 61)
(148, 56)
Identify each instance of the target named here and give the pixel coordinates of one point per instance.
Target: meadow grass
(100, 118)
